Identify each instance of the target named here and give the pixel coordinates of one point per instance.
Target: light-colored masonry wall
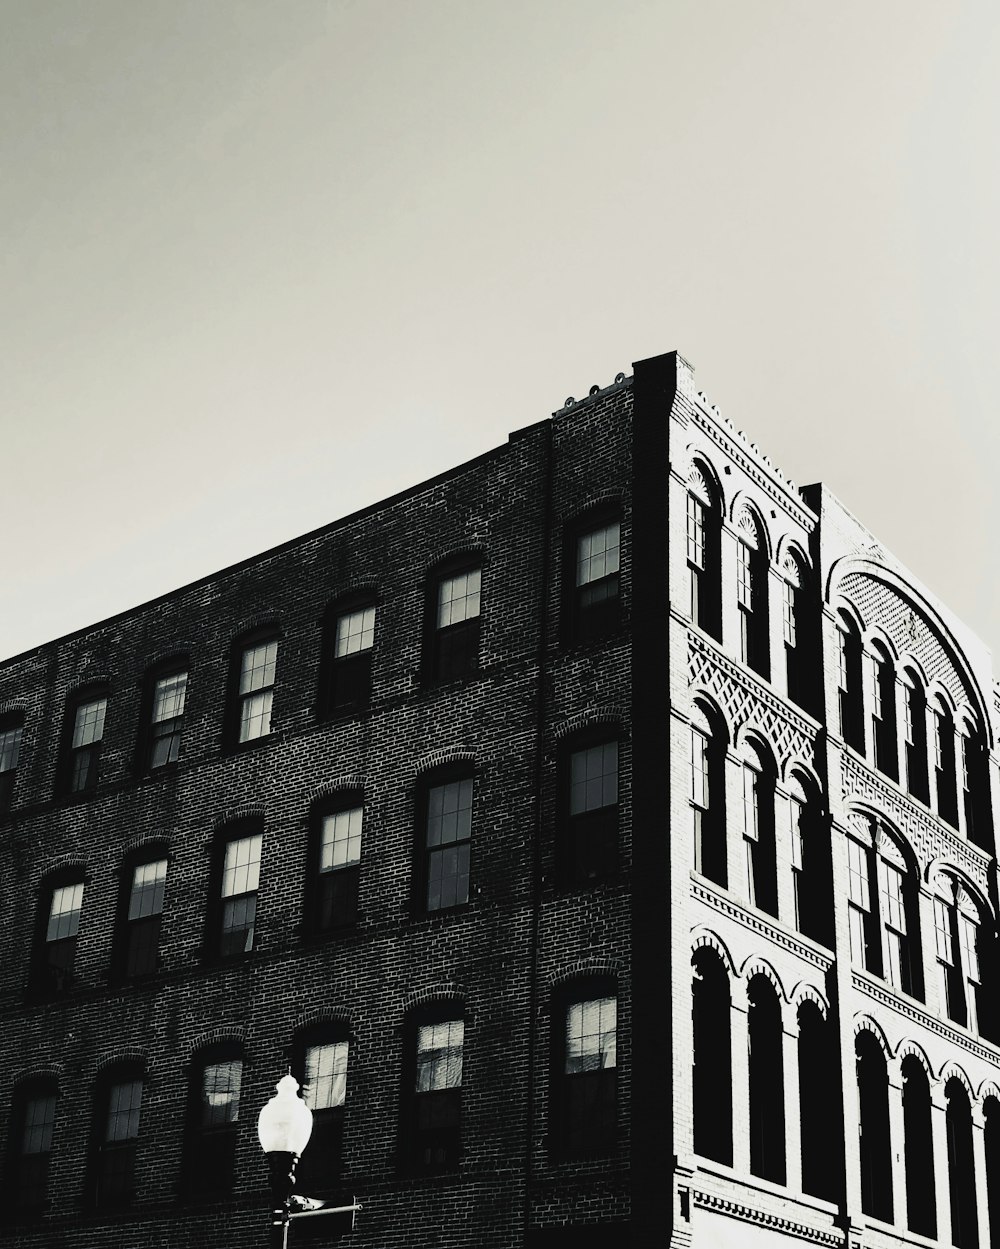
(847, 571)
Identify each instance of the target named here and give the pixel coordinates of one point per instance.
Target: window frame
(11, 723)
(572, 1133)
(113, 1159)
(703, 550)
(346, 680)
(27, 1183)
(590, 622)
(589, 840)
(321, 1166)
(850, 683)
(209, 1170)
(707, 783)
(149, 734)
(347, 876)
(87, 756)
(452, 651)
(230, 834)
(752, 589)
(427, 782)
(126, 927)
(51, 978)
(432, 1118)
(236, 699)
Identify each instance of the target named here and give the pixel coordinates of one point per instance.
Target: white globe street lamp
(283, 1129)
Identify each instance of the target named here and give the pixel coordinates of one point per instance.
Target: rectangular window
(167, 719)
(30, 1185)
(593, 811)
(438, 1093)
(214, 1126)
(220, 1093)
(596, 589)
(61, 933)
(448, 842)
(145, 907)
(859, 893)
(10, 753)
(695, 553)
(744, 576)
(351, 674)
(700, 792)
(456, 624)
(85, 745)
(897, 969)
(116, 1161)
(240, 882)
(339, 868)
(945, 957)
(968, 936)
(788, 621)
(326, 1075)
(324, 1092)
(257, 668)
(589, 1071)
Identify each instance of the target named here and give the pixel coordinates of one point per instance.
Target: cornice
(926, 1020)
(757, 924)
(765, 1218)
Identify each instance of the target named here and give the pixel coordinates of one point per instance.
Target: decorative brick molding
(764, 1218)
(756, 923)
(912, 1011)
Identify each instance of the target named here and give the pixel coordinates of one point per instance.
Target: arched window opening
(751, 595)
(958, 941)
(944, 765)
(811, 868)
(918, 1150)
(796, 632)
(961, 1168)
(915, 736)
(882, 906)
(974, 772)
(766, 1077)
(991, 1134)
(882, 711)
(712, 1090)
(820, 1110)
(703, 558)
(849, 662)
(758, 832)
(873, 1128)
(708, 798)
(30, 1144)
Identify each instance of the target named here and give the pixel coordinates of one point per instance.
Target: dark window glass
(215, 1119)
(167, 719)
(708, 801)
(703, 556)
(918, 1150)
(118, 1138)
(350, 667)
(63, 906)
(596, 606)
(142, 918)
(882, 700)
(85, 744)
(339, 865)
(240, 882)
(758, 838)
(849, 661)
(256, 689)
(436, 1091)
(447, 843)
(820, 1108)
(915, 734)
(456, 619)
(588, 1077)
(961, 1168)
(812, 872)
(944, 766)
(712, 1094)
(324, 1089)
(751, 597)
(766, 1074)
(874, 1141)
(10, 753)
(32, 1133)
(591, 844)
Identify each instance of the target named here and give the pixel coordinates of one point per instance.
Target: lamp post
(283, 1128)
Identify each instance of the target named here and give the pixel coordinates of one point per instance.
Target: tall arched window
(873, 1128)
(991, 1141)
(918, 1150)
(882, 710)
(915, 735)
(882, 906)
(849, 653)
(711, 1076)
(961, 1167)
(959, 945)
(820, 1110)
(811, 868)
(708, 797)
(796, 631)
(975, 796)
(751, 594)
(758, 830)
(944, 763)
(703, 558)
(766, 1078)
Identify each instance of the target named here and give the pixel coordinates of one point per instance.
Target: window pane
(10, 748)
(449, 812)
(39, 1121)
(788, 612)
(695, 532)
(257, 670)
(341, 845)
(751, 803)
(88, 726)
(942, 931)
(591, 1035)
(892, 898)
(168, 697)
(238, 917)
(857, 874)
(241, 870)
(123, 1111)
(968, 935)
(448, 877)
(355, 632)
(255, 716)
(64, 913)
(593, 778)
(439, 1055)
(458, 598)
(326, 1075)
(744, 576)
(146, 897)
(597, 554)
(220, 1093)
(699, 770)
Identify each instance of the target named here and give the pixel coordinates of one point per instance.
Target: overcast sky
(263, 262)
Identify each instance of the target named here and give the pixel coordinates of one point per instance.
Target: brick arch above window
(952, 1070)
(706, 939)
(908, 1048)
(805, 992)
(865, 1024)
(754, 966)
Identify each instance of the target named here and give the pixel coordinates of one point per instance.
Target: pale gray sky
(263, 262)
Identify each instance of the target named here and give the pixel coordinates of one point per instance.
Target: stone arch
(788, 550)
(612, 715)
(863, 1022)
(701, 700)
(806, 992)
(702, 938)
(843, 607)
(746, 516)
(988, 1088)
(954, 1071)
(757, 965)
(796, 768)
(703, 480)
(908, 1048)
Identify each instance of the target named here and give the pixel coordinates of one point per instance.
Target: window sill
(232, 749)
(443, 915)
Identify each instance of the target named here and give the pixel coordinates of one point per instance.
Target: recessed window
(758, 833)
(882, 711)
(167, 719)
(957, 943)
(707, 798)
(119, 1106)
(435, 1096)
(146, 882)
(703, 554)
(587, 1076)
(447, 842)
(84, 752)
(849, 661)
(323, 1067)
(33, 1122)
(337, 864)
(10, 754)
(595, 594)
(62, 907)
(240, 883)
(812, 873)
(590, 849)
(215, 1110)
(456, 602)
(257, 667)
(915, 736)
(751, 595)
(882, 908)
(350, 636)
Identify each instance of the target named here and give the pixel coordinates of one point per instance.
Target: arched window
(83, 736)
(140, 909)
(432, 1070)
(915, 735)
(873, 1128)
(944, 763)
(708, 796)
(961, 1167)
(758, 830)
(117, 1108)
(711, 1083)
(321, 1066)
(991, 1134)
(703, 558)
(959, 944)
(346, 662)
(213, 1120)
(453, 616)
(30, 1146)
(849, 661)
(751, 594)
(161, 729)
(811, 867)
(796, 631)
(820, 1110)
(766, 1077)
(253, 667)
(975, 796)
(57, 928)
(882, 906)
(882, 710)
(585, 1069)
(335, 861)
(918, 1150)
